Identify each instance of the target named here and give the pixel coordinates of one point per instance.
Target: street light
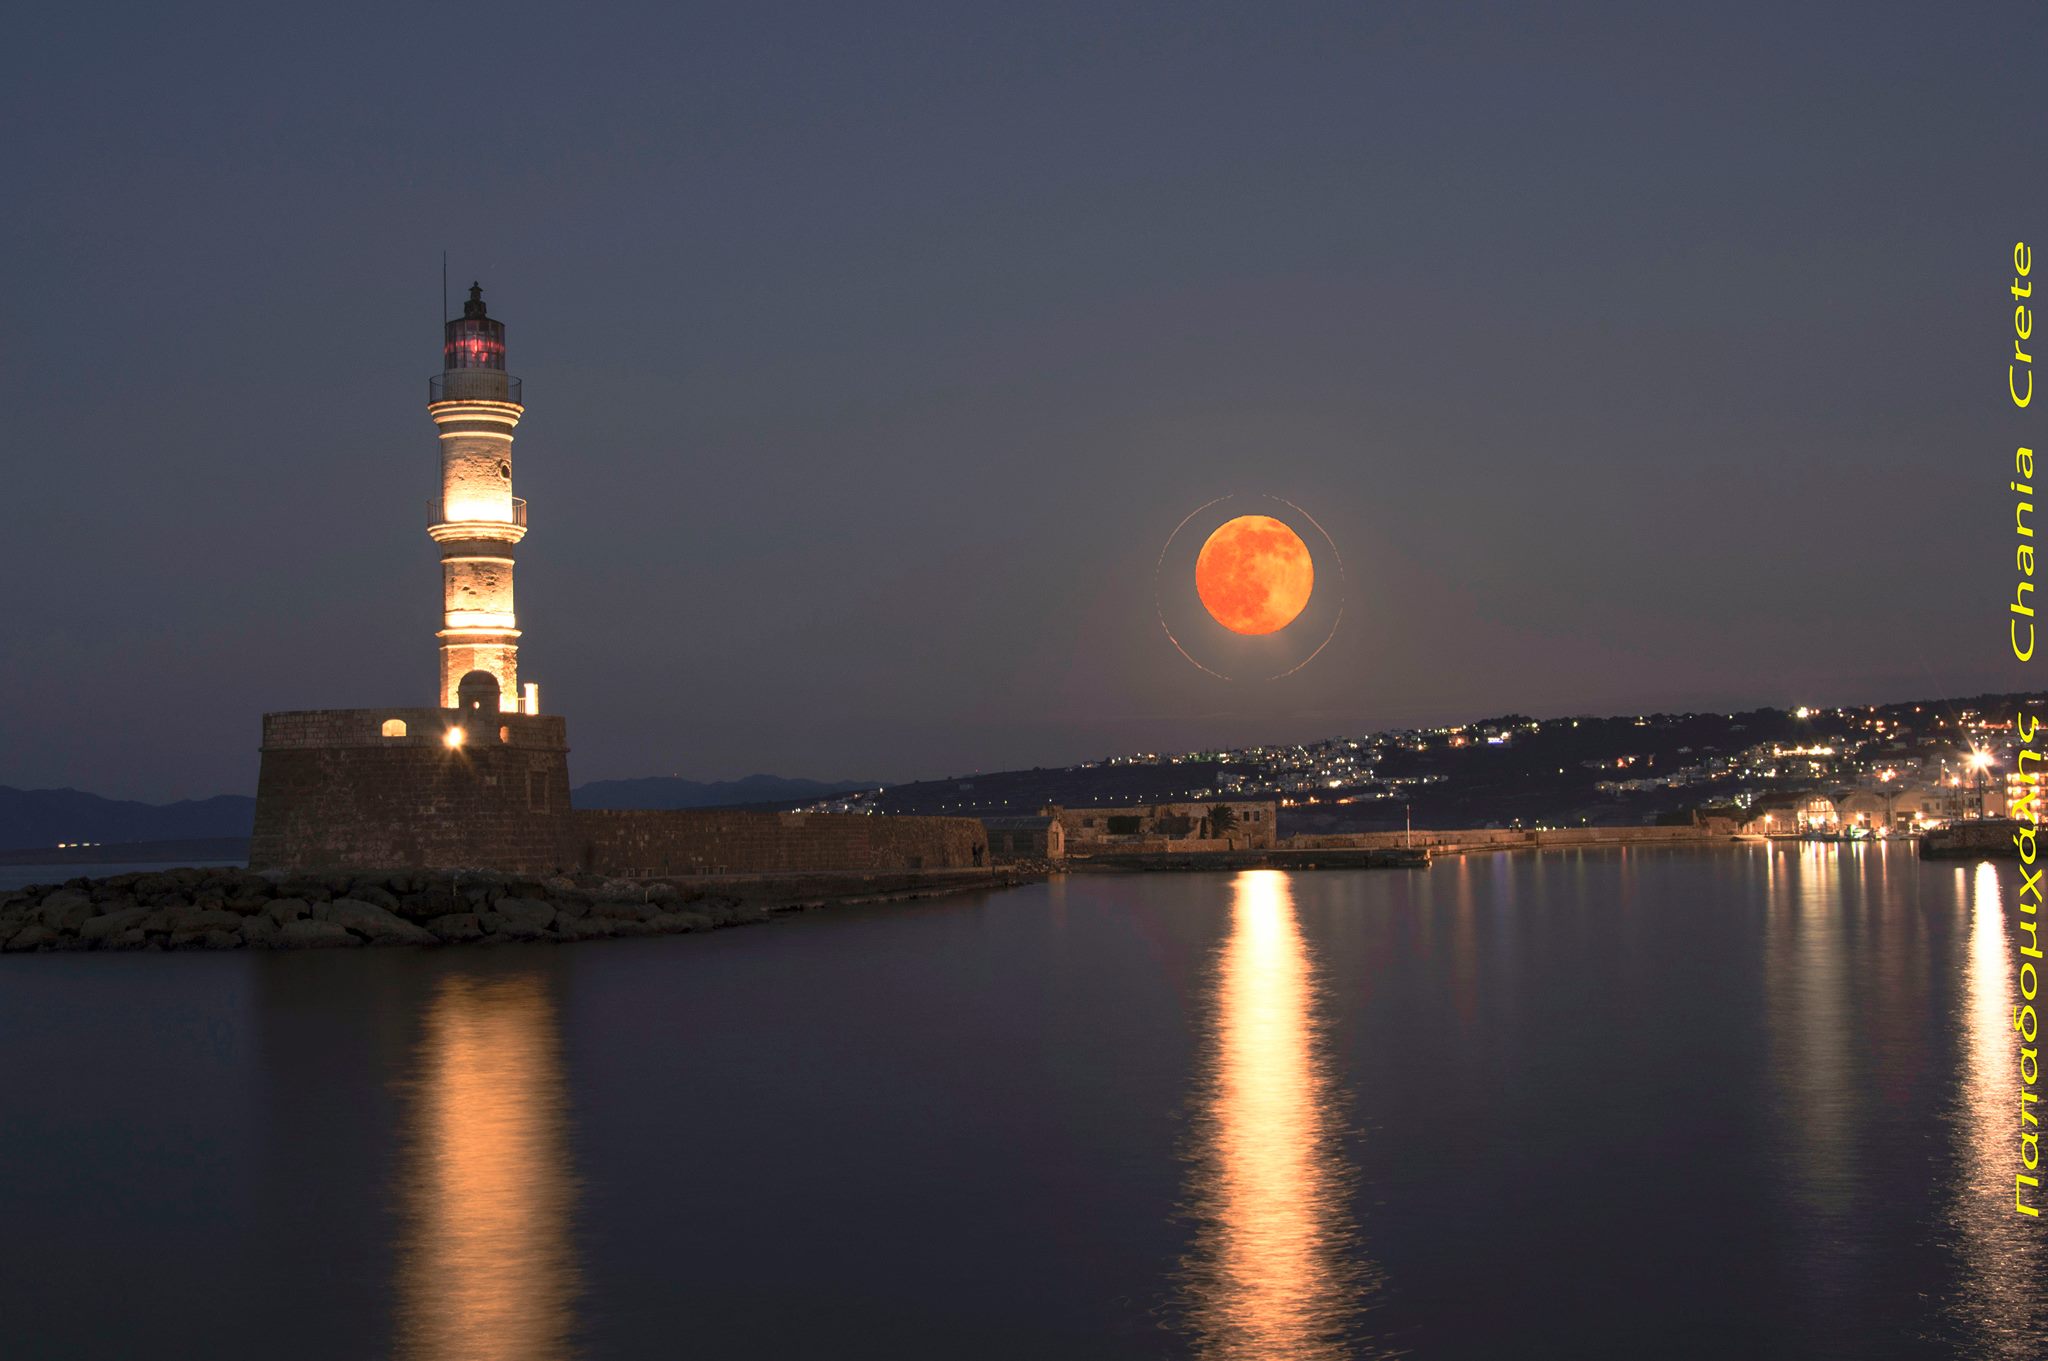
(1980, 761)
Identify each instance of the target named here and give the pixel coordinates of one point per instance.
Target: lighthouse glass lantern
(474, 341)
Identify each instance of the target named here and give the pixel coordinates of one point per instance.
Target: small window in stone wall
(537, 790)
(394, 727)
(505, 734)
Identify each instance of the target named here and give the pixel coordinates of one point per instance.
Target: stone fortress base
(390, 789)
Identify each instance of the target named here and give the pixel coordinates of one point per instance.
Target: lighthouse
(479, 779)
(477, 521)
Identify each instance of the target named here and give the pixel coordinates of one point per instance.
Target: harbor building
(1026, 838)
(1222, 825)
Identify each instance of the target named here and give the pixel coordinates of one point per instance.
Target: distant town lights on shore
(454, 737)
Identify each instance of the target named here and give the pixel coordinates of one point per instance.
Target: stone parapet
(716, 841)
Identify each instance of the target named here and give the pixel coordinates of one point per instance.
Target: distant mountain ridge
(37, 818)
(47, 817)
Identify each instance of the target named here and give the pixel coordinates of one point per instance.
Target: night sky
(1635, 358)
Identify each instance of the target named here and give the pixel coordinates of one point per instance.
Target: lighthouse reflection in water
(487, 1274)
(1277, 1269)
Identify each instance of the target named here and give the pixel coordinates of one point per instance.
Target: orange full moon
(1254, 575)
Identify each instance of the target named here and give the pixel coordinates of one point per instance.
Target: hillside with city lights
(1866, 769)
(1863, 770)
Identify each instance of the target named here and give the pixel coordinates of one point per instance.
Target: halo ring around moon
(1337, 584)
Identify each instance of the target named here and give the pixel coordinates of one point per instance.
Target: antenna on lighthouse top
(444, 285)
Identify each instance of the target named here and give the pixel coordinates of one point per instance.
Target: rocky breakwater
(230, 909)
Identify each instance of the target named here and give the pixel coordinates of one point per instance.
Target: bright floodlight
(454, 737)
(1980, 759)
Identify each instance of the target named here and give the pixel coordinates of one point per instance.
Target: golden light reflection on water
(2002, 1303)
(488, 1273)
(1278, 1272)
(1812, 1030)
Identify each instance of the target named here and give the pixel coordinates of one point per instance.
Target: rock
(221, 940)
(33, 937)
(66, 909)
(367, 892)
(134, 939)
(193, 920)
(672, 923)
(424, 907)
(110, 924)
(455, 927)
(307, 935)
(247, 893)
(282, 910)
(498, 926)
(527, 911)
(584, 928)
(260, 930)
(625, 911)
(377, 924)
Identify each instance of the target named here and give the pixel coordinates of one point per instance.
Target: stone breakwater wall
(232, 909)
(1501, 839)
(436, 789)
(718, 841)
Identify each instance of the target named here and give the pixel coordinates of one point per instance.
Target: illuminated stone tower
(478, 520)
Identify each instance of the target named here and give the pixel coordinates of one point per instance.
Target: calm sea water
(1756, 1102)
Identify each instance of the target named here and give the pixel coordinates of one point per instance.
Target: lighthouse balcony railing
(437, 514)
(474, 385)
